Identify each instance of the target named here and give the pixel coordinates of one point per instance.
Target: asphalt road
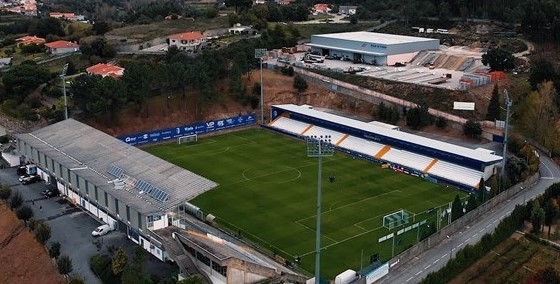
(437, 257)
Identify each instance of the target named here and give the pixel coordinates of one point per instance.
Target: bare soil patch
(23, 259)
(173, 110)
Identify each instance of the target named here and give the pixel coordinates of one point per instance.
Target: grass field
(267, 192)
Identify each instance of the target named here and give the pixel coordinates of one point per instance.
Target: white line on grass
(307, 227)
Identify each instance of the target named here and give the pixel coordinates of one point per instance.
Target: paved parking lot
(72, 227)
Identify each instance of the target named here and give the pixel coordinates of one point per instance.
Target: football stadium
(377, 199)
(240, 205)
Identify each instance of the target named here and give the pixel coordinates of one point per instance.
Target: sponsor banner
(198, 128)
(377, 274)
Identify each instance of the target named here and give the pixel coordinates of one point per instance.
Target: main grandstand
(416, 155)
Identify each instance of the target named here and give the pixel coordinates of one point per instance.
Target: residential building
(105, 70)
(63, 16)
(29, 40)
(238, 29)
(321, 8)
(188, 41)
(347, 10)
(60, 47)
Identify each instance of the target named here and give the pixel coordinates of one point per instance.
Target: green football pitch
(267, 194)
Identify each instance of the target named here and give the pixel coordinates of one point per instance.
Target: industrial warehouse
(370, 48)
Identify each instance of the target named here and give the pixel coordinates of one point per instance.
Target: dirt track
(23, 259)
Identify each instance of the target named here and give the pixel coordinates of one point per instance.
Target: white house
(187, 41)
(60, 47)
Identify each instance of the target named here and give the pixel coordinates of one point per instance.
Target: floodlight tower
(63, 77)
(259, 54)
(319, 146)
(508, 103)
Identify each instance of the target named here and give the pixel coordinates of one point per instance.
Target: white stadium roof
(379, 38)
(479, 155)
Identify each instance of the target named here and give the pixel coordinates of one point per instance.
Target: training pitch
(268, 188)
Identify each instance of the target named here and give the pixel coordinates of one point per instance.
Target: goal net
(396, 219)
(187, 139)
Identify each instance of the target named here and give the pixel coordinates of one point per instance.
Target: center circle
(271, 174)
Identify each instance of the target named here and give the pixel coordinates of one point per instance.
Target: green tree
(16, 200)
(300, 84)
(472, 203)
(353, 19)
(540, 114)
(5, 192)
(23, 78)
(542, 70)
(54, 250)
(47, 26)
(64, 264)
(100, 27)
(472, 129)
(134, 273)
(498, 59)
(493, 112)
(196, 279)
(537, 218)
(24, 213)
(42, 233)
(419, 116)
(551, 213)
(550, 275)
(120, 261)
(456, 209)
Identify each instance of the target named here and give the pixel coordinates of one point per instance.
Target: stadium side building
(371, 48)
(119, 184)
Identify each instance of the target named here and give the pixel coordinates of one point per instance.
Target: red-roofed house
(61, 47)
(29, 40)
(105, 70)
(62, 15)
(187, 41)
(321, 8)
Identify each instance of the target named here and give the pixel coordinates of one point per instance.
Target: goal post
(193, 138)
(396, 219)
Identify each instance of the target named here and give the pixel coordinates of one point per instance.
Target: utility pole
(63, 77)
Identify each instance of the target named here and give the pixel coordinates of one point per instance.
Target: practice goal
(193, 138)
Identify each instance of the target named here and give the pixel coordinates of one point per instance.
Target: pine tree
(494, 105)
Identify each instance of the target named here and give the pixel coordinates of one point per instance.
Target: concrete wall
(375, 97)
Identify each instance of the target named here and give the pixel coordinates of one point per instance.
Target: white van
(101, 230)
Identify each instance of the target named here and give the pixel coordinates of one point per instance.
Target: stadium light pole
(508, 103)
(259, 53)
(319, 147)
(63, 77)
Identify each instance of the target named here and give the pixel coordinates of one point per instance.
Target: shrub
(54, 250)
(64, 264)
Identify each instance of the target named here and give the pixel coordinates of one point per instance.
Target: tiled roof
(62, 44)
(30, 40)
(187, 36)
(105, 70)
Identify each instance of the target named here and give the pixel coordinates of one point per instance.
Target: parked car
(31, 179)
(52, 192)
(22, 177)
(101, 230)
